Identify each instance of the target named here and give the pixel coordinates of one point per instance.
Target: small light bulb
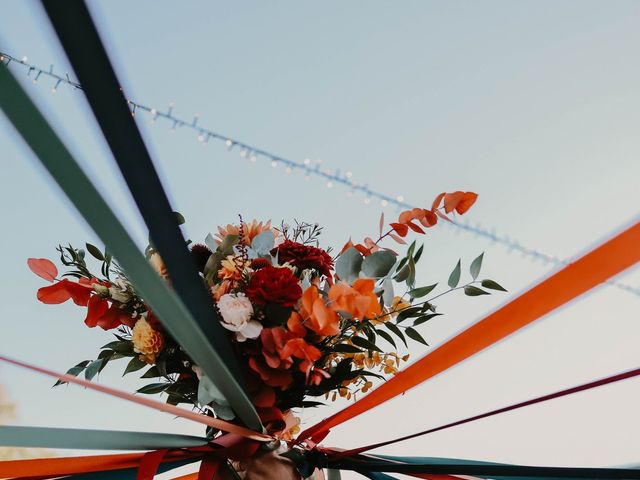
(200, 138)
(24, 59)
(400, 198)
(288, 170)
(228, 142)
(329, 184)
(274, 164)
(307, 161)
(243, 153)
(384, 203)
(253, 159)
(153, 111)
(54, 90)
(367, 201)
(349, 174)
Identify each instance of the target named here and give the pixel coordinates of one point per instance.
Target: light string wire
(308, 167)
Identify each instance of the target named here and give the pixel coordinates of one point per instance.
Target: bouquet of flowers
(307, 326)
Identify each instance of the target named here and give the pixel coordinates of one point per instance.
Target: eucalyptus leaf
(424, 318)
(92, 369)
(151, 373)
(134, 365)
(422, 291)
(345, 348)
(387, 337)
(411, 278)
(208, 392)
(264, 242)
(179, 218)
(387, 293)
(412, 333)
(348, 265)
(403, 274)
(454, 278)
(395, 329)
(493, 285)
(472, 291)
(364, 343)
(153, 388)
(378, 264)
(210, 242)
(409, 313)
(476, 265)
(94, 251)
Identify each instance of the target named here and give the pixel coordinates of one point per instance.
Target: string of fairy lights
(308, 167)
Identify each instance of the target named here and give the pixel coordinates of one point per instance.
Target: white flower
(236, 311)
(119, 291)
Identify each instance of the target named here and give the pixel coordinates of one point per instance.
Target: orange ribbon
(592, 269)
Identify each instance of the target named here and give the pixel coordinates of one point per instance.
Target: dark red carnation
(200, 254)
(304, 256)
(258, 263)
(274, 285)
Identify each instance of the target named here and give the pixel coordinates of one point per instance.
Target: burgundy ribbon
(544, 398)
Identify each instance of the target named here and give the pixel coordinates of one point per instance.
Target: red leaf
(436, 202)
(451, 201)
(53, 294)
(43, 268)
(96, 308)
(429, 219)
(468, 199)
(443, 216)
(114, 317)
(362, 249)
(400, 229)
(415, 227)
(397, 239)
(346, 247)
(79, 292)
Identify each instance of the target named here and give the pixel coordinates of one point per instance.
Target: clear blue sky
(535, 105)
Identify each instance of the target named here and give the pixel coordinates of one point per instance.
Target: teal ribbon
(178, 321)
(82, 439)
(127, 473)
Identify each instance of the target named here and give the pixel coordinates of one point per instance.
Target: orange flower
(317, 316)
(359, 299)
(298, 348)
(251, 230)
(223, 288)
(231, 268)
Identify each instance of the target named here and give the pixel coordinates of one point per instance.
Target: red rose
(304, 256)
(274, 285)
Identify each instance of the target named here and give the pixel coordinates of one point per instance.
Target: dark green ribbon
(81, 41)
(179, 321)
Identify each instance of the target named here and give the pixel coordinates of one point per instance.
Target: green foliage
(378, 264)
(454, 278)
(348, 265)
(492, 285)
(476, 265)
(472, 291)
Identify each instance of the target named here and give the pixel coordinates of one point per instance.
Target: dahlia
(146, 341)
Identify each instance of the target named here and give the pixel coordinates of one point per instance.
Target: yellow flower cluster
(387, 363)
(146, 341)
(398, 305)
